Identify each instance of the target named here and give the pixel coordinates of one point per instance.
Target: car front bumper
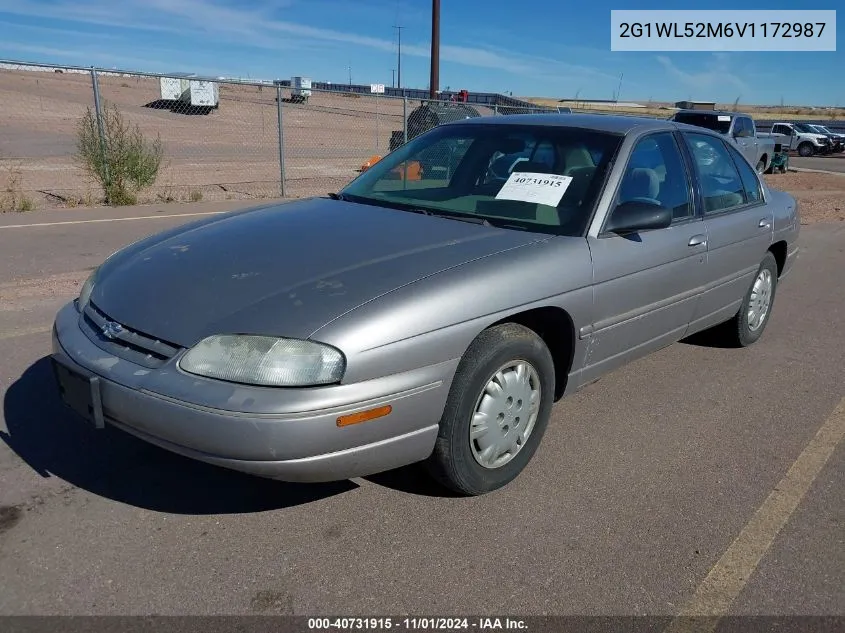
(286, 434)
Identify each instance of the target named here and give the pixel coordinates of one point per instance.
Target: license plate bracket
(80, 391)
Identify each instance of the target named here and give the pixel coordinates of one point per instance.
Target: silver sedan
(436, 308)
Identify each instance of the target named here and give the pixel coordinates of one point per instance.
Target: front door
(646, 285)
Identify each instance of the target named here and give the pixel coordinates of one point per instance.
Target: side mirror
(636, 216)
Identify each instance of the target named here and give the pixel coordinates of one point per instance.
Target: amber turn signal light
(364, 416)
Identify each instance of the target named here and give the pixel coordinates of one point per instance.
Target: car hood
(284, 270)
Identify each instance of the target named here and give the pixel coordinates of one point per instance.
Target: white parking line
(142, 217)
(731, 573)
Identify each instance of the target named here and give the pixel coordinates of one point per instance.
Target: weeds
(196, 195)
(124, 162)
(13, 198)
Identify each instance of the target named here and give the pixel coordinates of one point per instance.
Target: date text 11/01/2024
(721, 29)
(417, 624)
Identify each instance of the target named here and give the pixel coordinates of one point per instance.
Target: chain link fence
(211, 140)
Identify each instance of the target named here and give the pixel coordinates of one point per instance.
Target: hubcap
(505, 414)
(761, 299)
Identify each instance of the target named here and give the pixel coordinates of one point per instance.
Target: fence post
(495, 109)
(281, 141)
(404, 118)
(98, 110)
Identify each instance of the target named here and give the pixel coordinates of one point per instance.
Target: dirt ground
(230, 153)
(821, 197)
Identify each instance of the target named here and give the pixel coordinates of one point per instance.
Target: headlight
(85, 292)
(265, 360)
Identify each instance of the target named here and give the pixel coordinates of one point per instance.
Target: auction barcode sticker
(534, 187)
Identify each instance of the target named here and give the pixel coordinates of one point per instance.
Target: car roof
(618, 124)
(610, 123)
(720, 112)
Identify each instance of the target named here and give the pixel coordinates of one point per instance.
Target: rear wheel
(497, 411)
(761, 166)
(747, 326)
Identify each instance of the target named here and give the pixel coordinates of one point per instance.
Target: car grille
(127, 343)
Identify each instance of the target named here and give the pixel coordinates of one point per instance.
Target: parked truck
(300, 89)
(803, 138)
(759, 148)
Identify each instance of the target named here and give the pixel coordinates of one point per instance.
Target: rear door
(646, 284)
(737, 221)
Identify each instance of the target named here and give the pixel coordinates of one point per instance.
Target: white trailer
(300, 89)
(174, 88)
(203, 94)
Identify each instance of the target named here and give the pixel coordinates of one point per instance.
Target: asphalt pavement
(694, 480)
(834, 163)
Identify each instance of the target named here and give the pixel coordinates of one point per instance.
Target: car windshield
(717, 122)
(804, 127)
(542, 178)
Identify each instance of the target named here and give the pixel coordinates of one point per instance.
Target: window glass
(750, 182)
(656, 174)
(712, 121)
(460, 169)
(721, 185)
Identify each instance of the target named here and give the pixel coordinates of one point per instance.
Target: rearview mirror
(636, 216)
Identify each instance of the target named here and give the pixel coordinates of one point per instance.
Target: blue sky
(531, 48)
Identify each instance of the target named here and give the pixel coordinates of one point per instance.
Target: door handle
(697, 240)
(764, 223)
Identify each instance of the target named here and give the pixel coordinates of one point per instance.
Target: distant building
(695, 105)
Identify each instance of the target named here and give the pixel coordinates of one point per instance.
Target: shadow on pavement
(411, 480)
(714, 337)
(53, 441)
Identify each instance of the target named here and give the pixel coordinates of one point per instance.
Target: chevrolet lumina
(435, 308)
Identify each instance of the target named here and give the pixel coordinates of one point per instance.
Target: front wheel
(806, 149)
(497, 411)
(761, 166)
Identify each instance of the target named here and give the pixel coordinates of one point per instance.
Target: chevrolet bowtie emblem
(111, 329)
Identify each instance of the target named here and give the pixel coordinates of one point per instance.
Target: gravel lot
(231, 153)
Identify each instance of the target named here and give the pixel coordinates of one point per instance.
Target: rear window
(717, 122)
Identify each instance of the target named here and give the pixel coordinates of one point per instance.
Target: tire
(806, 149)
(761, 166)
(454, 463)
(739, 330)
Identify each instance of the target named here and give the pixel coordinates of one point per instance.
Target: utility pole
(349, 68)
(434, 84)
(393, 77)
(399, 57)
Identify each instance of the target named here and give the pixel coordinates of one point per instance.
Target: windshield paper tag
(724, 117)
(533, 187)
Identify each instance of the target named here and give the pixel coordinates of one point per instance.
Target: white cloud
(715, 78)
(258, 24)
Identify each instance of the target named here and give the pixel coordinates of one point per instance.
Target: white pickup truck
(758, 148)
(804, 138)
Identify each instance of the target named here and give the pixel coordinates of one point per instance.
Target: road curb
(816, 171)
